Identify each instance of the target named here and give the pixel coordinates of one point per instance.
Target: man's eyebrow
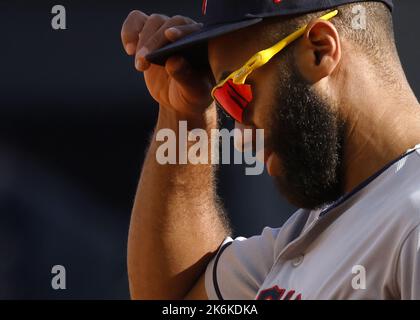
(224, 76)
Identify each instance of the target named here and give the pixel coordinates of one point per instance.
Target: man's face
(303, 134)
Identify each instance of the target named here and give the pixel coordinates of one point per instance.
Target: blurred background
(75, 120)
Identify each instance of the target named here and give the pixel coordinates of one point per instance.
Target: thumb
(180, 70)
(200, 82)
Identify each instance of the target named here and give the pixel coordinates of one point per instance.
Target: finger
(159, 39)
(177, 32)
(184, 74)
(179, 69)
(130, 30)
(151, 26)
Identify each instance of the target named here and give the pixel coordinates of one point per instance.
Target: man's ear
(319, 50)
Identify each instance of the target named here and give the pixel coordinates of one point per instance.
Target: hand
(176, 85)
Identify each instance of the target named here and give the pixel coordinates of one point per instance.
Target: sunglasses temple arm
(269, 53)
(264, 56)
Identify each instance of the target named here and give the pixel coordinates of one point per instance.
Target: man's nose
(243, 140)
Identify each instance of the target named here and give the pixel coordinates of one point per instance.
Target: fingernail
(143, 52)
(174, 32)
(139, 64)
(130, 48)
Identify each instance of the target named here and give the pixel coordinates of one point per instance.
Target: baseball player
(342, 141)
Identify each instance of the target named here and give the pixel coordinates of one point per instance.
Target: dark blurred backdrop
(75, 119)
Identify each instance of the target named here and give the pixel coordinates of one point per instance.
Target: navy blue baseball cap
(223, 16)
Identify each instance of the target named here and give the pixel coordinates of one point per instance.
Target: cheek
(264, 118)
(265, 88)
(262, 108)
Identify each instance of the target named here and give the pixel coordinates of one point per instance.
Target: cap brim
(194, 45)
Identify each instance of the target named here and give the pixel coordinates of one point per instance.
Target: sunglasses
(232, 94)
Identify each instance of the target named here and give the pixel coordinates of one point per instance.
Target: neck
(381, 125)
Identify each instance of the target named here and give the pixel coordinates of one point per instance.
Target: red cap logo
(204, 7)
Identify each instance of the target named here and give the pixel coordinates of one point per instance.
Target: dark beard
(308, 138)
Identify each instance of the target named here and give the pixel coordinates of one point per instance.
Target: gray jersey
(364, 246)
